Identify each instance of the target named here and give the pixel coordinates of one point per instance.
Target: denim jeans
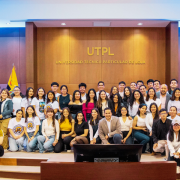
(40, 127)
(141, 136)
(45, 146)
(129, 139)
(116, 139)
(32, 145)
(16, 144)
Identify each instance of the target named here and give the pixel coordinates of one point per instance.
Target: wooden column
(31, 55)
(172, 62)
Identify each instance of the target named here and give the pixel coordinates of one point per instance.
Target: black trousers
(171, 158)
(1, 151)
(59, 147)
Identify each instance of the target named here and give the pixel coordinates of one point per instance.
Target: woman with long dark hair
(81, 129)
(38, 103)
(27, 100)
(50, 133)
(135, 100)
(139, 126)
(64, 98)
(76, 104)
(31, 128)
(93, 127)
(126, 126)
(6, 107)
(89, 104)
(66, 125)
(127, 95)
(175, 100)
(16, 130)
(103, 102)
(152, 98)
(150, 118)
(114, 90)
(173, 142)
(116, 105)
(51, 103)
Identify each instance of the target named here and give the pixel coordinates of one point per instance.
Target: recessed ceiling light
(63, 24)
(7, 23)
(140, 24)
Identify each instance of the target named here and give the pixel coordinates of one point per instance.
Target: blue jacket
(7, 108)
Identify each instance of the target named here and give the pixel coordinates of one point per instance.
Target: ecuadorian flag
(12, 80)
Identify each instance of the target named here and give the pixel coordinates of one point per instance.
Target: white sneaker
(177, 169)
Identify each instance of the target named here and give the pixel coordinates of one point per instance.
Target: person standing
(6, 109)
(110, 128)
(173, 113)
(127, 96)
(133, 86)
(101, 86)
(175, 100)
(173, 86)
(139, 83)
(114, 90)
(143, 90)
(82, 89)
(122, 85)
(163, 96)
(150, 83)
(54, 88)
(157, 85)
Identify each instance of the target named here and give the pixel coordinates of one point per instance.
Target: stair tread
(20, 169)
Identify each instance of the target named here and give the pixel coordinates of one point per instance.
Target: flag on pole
(12, 80)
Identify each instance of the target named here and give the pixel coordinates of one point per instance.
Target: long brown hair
(99, 102)
(6, 90)
(173, 95)
(69, 116)
(98, 117)
(147, 97)
(53, 118)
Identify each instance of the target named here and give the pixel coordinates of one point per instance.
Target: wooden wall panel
(131, 44)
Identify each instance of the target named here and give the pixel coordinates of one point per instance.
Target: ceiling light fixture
(8, 23)
(63, 24)
(140, 24)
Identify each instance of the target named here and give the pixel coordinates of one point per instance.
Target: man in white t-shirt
(101, 86)
(54, 87)
(157, 85)
(163, 96)
(122, 85)
(82, 89)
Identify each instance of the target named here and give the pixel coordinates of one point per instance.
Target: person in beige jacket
(110, 128)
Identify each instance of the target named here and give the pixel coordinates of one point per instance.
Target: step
(22, 161)
(20, 172)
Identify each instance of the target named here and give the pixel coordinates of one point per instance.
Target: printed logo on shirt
(41, 106)
(48, 106)
(30, 125)
(18, 129)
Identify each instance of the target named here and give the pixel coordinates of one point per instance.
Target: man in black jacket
(159, 133)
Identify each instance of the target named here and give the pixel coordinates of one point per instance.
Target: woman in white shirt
(173, 113)
(139, 126)
(93, 127)
(50, 131)
(173, 142)
(150, 118)
(175, 100)
(38, 103)
(51, 103)
(16, 100)
(31, 128)
(151, 97)
(126, 126)
(135, 100)
(16, 129)
(27, 100)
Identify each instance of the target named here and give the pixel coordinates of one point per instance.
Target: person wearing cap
(1, 141)
(159, 133)
(173, 142)
(54, 87)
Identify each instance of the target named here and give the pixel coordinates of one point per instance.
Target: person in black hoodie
(103, 102)
(159, 133)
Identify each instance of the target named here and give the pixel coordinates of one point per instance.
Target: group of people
(128, 114)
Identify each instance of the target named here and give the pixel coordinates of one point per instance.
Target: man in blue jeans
(110, 128)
